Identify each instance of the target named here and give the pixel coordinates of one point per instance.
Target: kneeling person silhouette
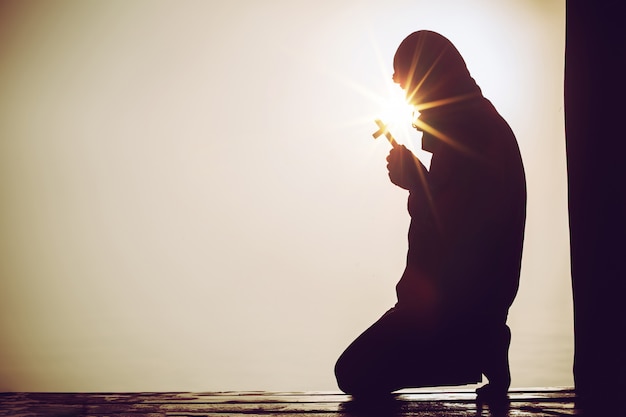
(465, 238)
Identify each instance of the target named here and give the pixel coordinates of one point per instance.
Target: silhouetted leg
(495, 363)
(396, 352)
(370, 364)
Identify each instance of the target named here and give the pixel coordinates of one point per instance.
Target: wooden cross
(382, 130)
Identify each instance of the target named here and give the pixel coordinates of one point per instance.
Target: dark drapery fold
(595, 93)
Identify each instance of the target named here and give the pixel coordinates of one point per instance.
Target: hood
(432, 72)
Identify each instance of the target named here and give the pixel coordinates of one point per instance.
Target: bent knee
(348, 376)
(342, 375)
(359, 381)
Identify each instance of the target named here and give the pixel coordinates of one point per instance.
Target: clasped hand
(405, 169)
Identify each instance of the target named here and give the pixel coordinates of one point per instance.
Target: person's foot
(489, 393)
(496, 364)
(496, 399)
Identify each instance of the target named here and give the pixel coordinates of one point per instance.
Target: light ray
(413, 93)
(421, 125)
(429, 198)
(444, 101)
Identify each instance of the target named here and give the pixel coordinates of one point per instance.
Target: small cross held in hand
(382, 130)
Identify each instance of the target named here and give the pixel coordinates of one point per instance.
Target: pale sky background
(191, 198)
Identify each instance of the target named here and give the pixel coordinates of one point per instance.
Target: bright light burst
(400, 117)
(396, 112)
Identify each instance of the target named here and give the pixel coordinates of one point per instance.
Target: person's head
(429, 68)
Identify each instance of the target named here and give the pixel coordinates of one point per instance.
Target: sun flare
(396, 111)
(399, 117)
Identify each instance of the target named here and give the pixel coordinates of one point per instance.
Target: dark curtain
(595, 118)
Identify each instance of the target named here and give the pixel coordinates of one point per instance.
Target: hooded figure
(465, 237)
